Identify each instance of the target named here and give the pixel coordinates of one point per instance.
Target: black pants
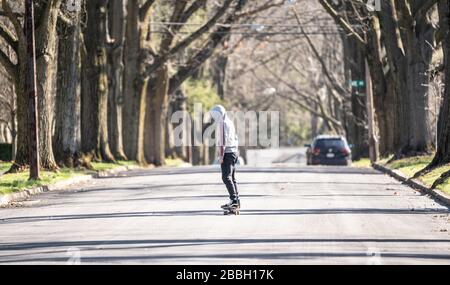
(228, 175)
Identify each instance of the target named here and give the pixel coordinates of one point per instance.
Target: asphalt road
(292, 156)
(290, 215)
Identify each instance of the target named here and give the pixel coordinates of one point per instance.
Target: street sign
(357, 83)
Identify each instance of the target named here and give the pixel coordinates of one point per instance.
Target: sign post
(31, 91)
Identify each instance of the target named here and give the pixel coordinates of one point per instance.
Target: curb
(24, 195)
(115, 171)
(417, 185)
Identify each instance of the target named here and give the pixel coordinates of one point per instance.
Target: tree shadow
(130, 243)
(247, 169)
(87, 246)
(245, 212)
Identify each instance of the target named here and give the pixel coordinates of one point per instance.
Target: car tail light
(316, 151)
(345, 151)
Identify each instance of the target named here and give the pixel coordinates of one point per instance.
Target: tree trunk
(95, 83)
(409, 59)
(21, 158)
(13, 123)
(117, 22)
(46, 69)
(354, 57)
(170, 141)
(3, 135)
(417, 36)
(398, 72)
(443, 148)
(383, 92)
(157, 99)
(67, 131)
(219, 68)
(156, 118)
(180, 104)
(135, 84)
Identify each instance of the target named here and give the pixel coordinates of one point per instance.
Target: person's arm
(221, 142)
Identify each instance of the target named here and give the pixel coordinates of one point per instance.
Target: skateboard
(235, 210)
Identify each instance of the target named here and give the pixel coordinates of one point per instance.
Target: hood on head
(218, 112)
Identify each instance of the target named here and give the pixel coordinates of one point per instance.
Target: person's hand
(220, 160)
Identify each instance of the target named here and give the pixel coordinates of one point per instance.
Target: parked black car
(329, 150)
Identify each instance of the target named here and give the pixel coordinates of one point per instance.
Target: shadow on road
(118, 245)
(196, 185)
(179, 242)
(245, 212)
(239, 256)
(246, 169)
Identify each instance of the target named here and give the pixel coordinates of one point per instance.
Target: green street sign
(358, 83)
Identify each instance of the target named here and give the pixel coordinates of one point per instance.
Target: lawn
(15, 182)
(445, 187)
(103, 166)
(429, 178)
(362, 163)
(174, 162)
(410, 166)
(4, 166)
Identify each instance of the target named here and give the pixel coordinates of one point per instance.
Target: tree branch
(6, 123)
(145, 8)
(6, 103)
(332, 123)
(18, 15)
(9, 37)
(159, 61)
(318, 56)
(289, 85)
(191, 10)
(341, 21)
(50, 10)
(8, 64)
(421, 8)
(264, 7)
(65, 20)
(195, 35)
(14, 20)
(329, 120)
(261, 62)
(197, 60)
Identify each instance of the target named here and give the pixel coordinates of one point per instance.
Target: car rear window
(330, 143)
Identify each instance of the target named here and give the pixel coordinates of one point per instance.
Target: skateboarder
(227, 154)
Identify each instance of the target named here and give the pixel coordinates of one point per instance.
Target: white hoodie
(226, 138)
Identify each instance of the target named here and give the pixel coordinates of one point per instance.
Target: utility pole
(373, 140)
(31, 91)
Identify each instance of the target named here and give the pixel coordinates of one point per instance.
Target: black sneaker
(226, 206)
(236, 204)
